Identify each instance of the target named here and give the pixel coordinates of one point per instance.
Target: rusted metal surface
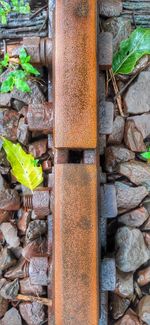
(40, 49)
(75, 245)
(75, 74)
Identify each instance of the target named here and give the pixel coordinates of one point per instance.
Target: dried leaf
(23, 165)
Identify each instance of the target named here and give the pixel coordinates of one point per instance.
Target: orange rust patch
(75, 245)
(75, 74)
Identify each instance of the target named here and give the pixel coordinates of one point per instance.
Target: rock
(5, 100)
(144, 276)
(130, 318)
(23, 221)
(34, 97)
(9, 120)
(41, 203)
(106, 117)
(110, 8)
(119, 27)
(38, 271)
(115, 155)
(144, 309)
(9, 200)
(12, 317)
(119, 306)
(3, 306)
(40, 117)
(108, 274)
(10, 290)
(141, 65)
(10, 234)
(32, 313)
(5, 216)
(36, 247)
(108, 201)
(26, 288)
(116, 136)
(19, 271)
(137, 172)
(17, 105)
(135, 102)
(147, 239)
(101, 87)
(23, 132)
(146, 226)
(131, 251)
(105, 53)
(142, 123)
(124, 284)
(7, 259)
(35, 229)
(129, 197)
(38, 148)
(134, 218)
(3, 184)
(102, 142)
(133, 137)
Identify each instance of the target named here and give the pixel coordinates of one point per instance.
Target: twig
(122, 90)
(43, 301)
(38, 11)
(116, 90)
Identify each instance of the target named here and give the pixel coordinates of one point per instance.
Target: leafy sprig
(18, 6)
(18, 78)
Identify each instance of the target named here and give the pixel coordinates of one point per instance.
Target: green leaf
(7, 85)
(30, 69)
(131, 50)
(22, 165)
(18, 74)
(145, 155)
(25, 9)
(22, 85)
(22, 55)
(3, 19)
(5, 62)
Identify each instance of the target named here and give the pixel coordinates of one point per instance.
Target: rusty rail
(76, 290)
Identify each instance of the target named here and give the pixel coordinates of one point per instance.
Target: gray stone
(135, 102)
(129, 197)
(133, 137)
(7, 259)
(119, 27)
(10, 290)
(110, 8)
(5, 100)
(104, 309)
(106, 117)
(23, 132)
(108, 201)
(103, 232)
(144, 309)
(134, 218)
(108, 274)
(137, 172)
(124, 284)
(115, 155)
(131, 251)
(102, 143)
(118, 305)
(12, 317)
(142, 123)
(116, 136)
(34, 97)
(35, 229)
(32, 313)
(10, 234)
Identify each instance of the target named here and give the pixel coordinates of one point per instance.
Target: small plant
(146, 154)
(24, 167)
(18, 6)
(18, 78)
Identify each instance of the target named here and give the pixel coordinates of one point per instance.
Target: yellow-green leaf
(23, 165)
